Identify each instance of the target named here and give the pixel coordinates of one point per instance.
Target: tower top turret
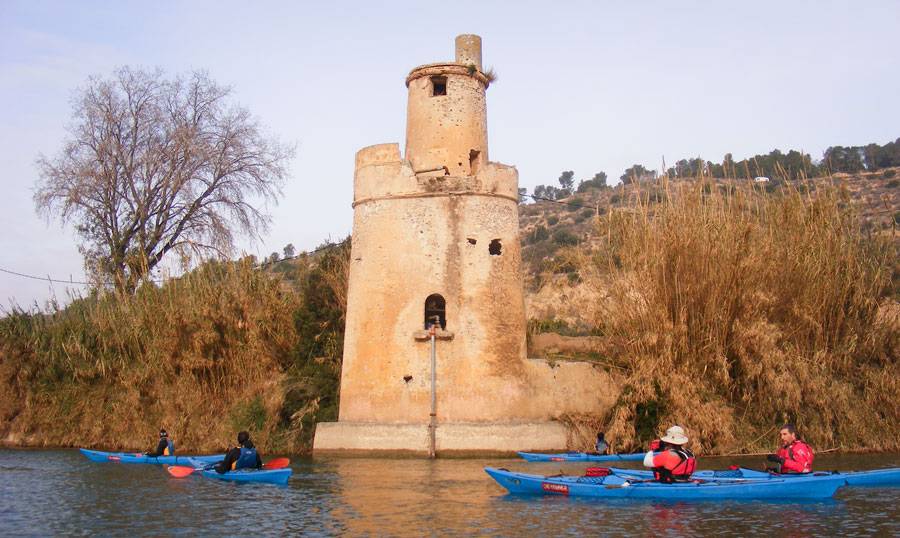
(468, 50)
(446, 121)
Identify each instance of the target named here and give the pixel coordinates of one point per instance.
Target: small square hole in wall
(438, 86)
(495, 247)
(472, 240)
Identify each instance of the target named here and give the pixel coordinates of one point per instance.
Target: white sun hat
(675, 435)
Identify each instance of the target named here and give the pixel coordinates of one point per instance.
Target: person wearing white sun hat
(673, 462)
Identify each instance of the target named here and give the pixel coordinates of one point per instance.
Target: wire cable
(159, 280)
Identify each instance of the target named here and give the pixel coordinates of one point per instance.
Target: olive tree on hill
(155, 166)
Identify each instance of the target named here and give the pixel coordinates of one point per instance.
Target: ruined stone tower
(435, 235)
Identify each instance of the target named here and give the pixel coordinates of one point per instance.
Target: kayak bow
(580, 456)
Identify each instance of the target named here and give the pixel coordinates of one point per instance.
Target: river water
(59, 492)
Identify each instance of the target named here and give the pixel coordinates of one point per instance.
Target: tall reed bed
(733, 310)
(203, 356)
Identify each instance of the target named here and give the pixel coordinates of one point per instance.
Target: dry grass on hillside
(734, 310)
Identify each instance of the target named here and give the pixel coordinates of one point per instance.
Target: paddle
(180, 471)
(277, 463)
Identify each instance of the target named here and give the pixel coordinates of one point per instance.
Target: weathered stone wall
(445, 130)
(468, 50)
(409, 245)
(444, 220)
(419, 235)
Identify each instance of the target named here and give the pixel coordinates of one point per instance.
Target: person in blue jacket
(165, 446)
(243, 456)
(601, 446)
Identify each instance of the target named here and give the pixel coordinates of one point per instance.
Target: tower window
(435, 306)
(473, 161)
(438, 86)
(495, 247)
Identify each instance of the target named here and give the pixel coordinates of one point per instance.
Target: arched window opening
(435, 306)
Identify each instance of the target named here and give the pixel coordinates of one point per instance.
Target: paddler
(673, 462)
(601, 446)
(243, 456)
(794, 456)
(165, 446)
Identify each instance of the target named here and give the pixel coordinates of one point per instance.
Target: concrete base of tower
(467, 438)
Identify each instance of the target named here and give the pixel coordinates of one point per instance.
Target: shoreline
(406, 455)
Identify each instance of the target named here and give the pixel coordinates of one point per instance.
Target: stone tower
(435, 234)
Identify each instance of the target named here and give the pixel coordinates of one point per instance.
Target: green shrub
(565, 238)
(250, 416)
(539, 233)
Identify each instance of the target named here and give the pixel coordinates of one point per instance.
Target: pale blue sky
(583, 86)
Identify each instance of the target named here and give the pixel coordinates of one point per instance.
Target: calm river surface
(59, 492)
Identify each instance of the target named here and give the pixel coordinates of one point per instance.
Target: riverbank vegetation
(731, 310)
(224, 348)
(725, 307)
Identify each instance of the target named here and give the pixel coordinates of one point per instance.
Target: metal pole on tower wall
(432, 425)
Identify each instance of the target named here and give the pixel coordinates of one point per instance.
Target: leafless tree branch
(154, 165)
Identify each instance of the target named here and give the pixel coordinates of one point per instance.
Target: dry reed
(734, 310)
(203, 356)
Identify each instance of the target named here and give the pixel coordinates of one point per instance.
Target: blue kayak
(616, 487)
(580, 456)
(269, 476)
(874, 478)
(871, 478)
(131, 457)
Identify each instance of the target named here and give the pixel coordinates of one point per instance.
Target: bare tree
(154, 166)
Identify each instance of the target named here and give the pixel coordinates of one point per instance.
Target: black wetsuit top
(160, 448)
(232, 456)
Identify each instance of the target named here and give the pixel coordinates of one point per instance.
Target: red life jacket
(798, 457)
(681, 470)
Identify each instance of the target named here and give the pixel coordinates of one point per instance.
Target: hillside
(729, 306)
(551, 230)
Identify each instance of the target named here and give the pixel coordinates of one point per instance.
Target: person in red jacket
(673, 462)
(794, 456)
